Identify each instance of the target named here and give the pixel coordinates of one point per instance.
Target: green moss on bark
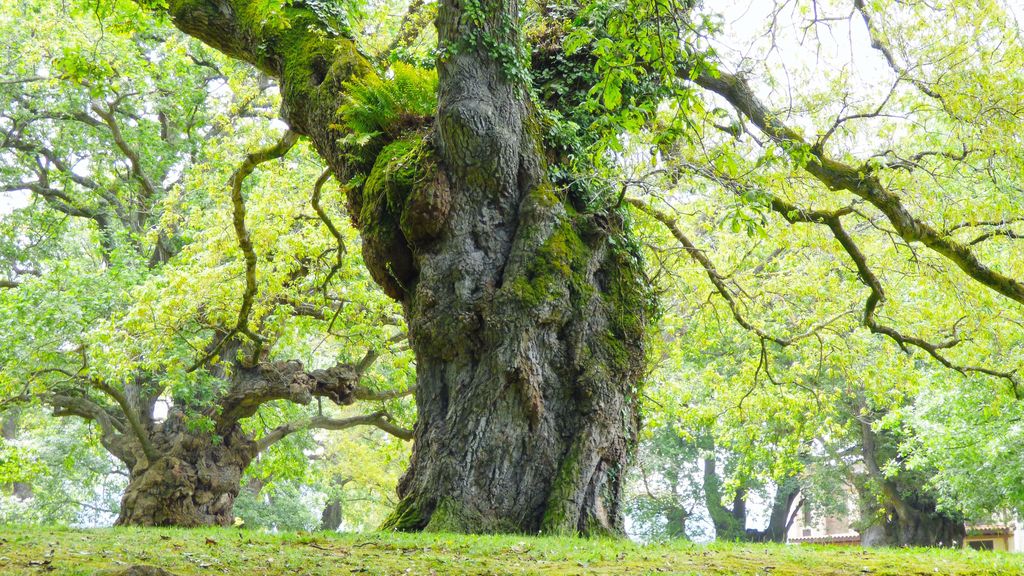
(449, 517)
(556, 521)
(385, 249)
(403, 205)
(407, 517)
(559, 266)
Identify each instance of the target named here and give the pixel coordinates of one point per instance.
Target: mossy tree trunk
(526, 316)
(912, 528)
(526, 320)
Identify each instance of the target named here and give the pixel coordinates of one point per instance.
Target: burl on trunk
(194, 481)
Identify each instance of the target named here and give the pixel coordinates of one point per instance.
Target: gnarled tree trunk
(526, 321)
(193, 482)
(184, 477)
(526, 314)
(913, 528)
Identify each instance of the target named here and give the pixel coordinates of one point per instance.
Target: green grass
(250, 553)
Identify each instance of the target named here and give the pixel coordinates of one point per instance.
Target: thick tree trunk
(526, 320)
(905, 526)
(675, 522)
(779, 519)
(333, 512)
(526, 314)
(730, 524)
(194, 482)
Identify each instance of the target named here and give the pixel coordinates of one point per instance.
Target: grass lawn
(242, 552)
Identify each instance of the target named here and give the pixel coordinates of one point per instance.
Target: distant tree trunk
(9, 430)
(675, 522)
(193, 482)
(904, 525)
(909, 515)
(731, 523)
(330, 519)
(179, 476)
(780, 518)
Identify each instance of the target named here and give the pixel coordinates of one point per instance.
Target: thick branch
(285, 381)
(378, 419)
(219, 24)
(242, 233)
(111, 429)
(832, 219)
(877, 296)
(133, 418)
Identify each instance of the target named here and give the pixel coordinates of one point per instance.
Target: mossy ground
(246, 552)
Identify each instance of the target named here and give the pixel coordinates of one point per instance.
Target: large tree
(526, 310)
(129, 306)
(497, 215)
(525, 304)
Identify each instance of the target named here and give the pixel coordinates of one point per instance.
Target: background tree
(665, 497)
(152, 320)
(859, 275)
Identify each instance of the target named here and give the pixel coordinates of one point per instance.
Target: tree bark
(193, 482)
(730, 524)
(526, 313)
(194, 477)
(780, 518)
(918, 525)
(330, 519)
(526, 322)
